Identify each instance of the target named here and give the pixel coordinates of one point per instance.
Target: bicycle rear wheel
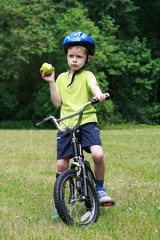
(69, 200)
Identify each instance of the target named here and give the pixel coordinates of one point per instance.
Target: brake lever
(48, 117)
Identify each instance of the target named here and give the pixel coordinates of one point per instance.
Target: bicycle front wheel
(72, 206)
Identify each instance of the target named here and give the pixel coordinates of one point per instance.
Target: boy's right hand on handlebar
(48, 78)
(102, 97)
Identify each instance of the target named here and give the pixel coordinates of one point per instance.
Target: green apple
(47, 68)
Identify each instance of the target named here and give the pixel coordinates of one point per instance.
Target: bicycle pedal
(107, 204)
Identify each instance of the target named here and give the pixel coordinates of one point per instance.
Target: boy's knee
(62, 165)
(98, 157)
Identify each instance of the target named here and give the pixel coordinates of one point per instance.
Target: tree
(126, 62)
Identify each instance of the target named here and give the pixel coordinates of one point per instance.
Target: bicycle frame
(76, 145)
(78, 159)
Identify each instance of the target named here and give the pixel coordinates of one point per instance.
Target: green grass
(28, 164)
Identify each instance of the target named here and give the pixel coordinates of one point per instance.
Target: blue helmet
(79, 38)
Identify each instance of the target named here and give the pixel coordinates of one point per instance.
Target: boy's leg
(99, 169)
(98, 158)
(64, 149)
(62, 165)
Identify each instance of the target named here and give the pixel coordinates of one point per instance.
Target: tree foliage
(126, 63)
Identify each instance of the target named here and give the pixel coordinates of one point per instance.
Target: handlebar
(69, 129)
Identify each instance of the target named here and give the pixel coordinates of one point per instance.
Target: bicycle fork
(78, 159)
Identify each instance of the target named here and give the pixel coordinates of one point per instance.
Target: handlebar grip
(94, 101)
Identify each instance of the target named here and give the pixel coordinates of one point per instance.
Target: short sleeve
(91, 80)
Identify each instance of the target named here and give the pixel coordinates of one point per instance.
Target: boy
(70, 91)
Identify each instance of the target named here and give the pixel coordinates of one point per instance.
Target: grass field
(27, 175)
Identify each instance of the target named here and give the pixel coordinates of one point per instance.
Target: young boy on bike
(71, 90)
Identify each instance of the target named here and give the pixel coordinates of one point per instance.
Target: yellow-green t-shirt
(76, 95)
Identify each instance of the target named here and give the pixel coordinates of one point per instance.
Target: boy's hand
(101, 97)
(98, 94)
(48, 78)
(56, 97)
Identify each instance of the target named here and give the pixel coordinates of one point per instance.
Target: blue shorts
(90, 135)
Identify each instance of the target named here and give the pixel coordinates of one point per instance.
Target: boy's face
(76, 57)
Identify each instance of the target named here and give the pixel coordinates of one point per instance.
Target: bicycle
(75, 196)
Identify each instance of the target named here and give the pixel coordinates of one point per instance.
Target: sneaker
(103, 196)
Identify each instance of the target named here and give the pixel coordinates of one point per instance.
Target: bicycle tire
(71, 206)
